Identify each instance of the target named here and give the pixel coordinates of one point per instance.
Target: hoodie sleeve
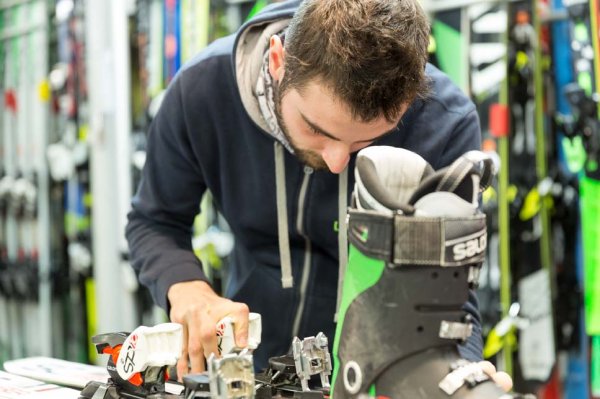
(159, 229)
(473, 348)
(466, 136)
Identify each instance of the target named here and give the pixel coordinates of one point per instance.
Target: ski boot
(138, 363)
(417, 241)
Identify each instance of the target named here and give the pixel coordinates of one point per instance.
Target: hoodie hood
(251, 43)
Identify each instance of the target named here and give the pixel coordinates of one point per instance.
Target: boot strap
(411, 240)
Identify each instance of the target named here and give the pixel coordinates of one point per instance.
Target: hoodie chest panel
(237, 162)
(243, 183)
(321, 221)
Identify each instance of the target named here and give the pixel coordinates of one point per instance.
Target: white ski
(16, 387)
(56, 371)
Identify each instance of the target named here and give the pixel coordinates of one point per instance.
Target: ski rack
(26, 284)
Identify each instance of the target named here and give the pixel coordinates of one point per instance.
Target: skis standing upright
(5, 286)
(487, 67)
(568, 159)
(592, 262)
(25, 279)
(68, 162)
(172, 38)
(583, 97)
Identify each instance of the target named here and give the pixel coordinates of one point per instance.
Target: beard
(307, 157)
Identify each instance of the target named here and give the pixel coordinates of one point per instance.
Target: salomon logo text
(469, 248)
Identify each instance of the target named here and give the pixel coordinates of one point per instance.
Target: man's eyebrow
(391, 131)
(317, 128)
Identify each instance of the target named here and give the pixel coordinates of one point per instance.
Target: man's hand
(198, 309)
(500, 377)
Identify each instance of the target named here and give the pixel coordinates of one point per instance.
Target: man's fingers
(182, 362)
(488, 368)
(240, 325)
(198, 308)
(194, 342)
(503, 380)
(209, 339)
(197, 358)
(182, 366)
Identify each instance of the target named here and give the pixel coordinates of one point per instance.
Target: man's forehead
(316, 91)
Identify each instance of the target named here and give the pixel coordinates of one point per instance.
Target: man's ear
(276, 58)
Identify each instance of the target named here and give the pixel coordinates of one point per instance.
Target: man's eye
(314, 131)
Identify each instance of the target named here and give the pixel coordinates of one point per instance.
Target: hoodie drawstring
(342, 236)
(287, 280)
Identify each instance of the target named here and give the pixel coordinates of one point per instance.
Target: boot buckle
(455, 330)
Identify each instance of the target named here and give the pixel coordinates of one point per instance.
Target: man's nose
(336, 155)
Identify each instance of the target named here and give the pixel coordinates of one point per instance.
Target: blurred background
(80, 81)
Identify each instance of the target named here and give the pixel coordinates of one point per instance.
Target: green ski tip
(595, 366)
(258, 6)
(373, 391)
(590, 227)
(581, 33)
(574, 153)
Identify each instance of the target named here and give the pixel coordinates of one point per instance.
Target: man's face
(321, 128)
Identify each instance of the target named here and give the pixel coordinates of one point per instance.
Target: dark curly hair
(370, 53)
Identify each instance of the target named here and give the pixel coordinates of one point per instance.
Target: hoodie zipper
(308, 171)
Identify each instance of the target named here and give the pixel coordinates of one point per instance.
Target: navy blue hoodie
(209, 134)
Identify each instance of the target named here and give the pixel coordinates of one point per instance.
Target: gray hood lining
(250, 51)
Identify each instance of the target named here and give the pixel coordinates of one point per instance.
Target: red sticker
(499, 120)
(10, 100)
(170, 46)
